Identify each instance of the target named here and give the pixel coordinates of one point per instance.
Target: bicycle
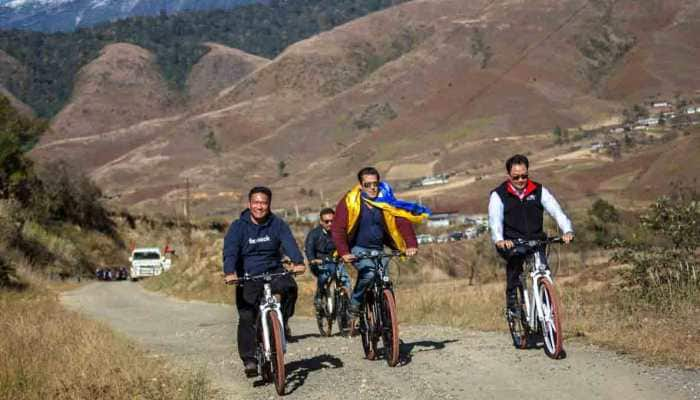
(334, 302)
(379, 319)
(271, 342)
(538, 314)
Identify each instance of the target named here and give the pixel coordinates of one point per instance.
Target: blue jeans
(325, 274)
(365, 274)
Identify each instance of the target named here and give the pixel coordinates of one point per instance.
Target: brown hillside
(448, 85)
(122, 87)
(220, 68)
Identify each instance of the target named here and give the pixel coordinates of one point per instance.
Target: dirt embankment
(437, 362)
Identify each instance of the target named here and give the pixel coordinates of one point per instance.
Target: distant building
(651, 121)
(433, 180)
(660, 104)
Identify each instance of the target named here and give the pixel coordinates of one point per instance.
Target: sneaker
(251, 369)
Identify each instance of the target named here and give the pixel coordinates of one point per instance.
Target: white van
(147, 261)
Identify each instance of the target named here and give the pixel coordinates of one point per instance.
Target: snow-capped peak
(22, 3)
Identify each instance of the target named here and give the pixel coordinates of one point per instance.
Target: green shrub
(665, 269)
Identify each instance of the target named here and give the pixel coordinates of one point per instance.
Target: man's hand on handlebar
(349, 258)
(230, 278)
(297, 268)
(411, 251)
(504, 244)
(568, 237)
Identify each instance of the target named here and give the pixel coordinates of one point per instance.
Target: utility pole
(188, 226)
(187, 199)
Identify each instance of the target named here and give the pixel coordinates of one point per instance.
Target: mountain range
(424, 87)
(68, 15)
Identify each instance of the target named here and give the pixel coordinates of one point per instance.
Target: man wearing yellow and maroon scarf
(368, 218)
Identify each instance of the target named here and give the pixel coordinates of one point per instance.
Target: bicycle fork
(270, 305)
(539, 272)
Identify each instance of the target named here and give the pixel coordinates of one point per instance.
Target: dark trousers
(248, 298)
(514, 268)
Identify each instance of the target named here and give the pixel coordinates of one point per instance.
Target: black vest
(522, 219)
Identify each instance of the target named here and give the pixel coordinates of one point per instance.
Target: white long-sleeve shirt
(550, 204)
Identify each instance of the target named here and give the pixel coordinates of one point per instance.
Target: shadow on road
(298, 371)
(406, 350)
(296, 338)
(537, 343)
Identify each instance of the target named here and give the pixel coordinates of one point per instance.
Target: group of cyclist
(366, 218)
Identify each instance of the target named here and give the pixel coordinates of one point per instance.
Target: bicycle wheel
(277, 353)
(368, 323)
(331, 306)
(341, 312)
(390, 328)
(324, 318)
(551, 323)
(517, 322)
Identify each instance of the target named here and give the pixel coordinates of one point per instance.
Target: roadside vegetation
(54, 227)
(47, 352)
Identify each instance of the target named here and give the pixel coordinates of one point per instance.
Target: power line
(522, 56)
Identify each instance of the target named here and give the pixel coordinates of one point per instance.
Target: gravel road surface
(437, 362)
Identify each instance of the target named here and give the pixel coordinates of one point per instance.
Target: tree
(281, 165)
(557, 133)
(18, 135)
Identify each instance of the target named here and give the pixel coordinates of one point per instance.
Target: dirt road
(438, 362)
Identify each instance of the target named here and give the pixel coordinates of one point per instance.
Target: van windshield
(149, 255)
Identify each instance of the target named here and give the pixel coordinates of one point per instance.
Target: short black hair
(326, 211)
(517, 159)
(260, 189)
(367, 171)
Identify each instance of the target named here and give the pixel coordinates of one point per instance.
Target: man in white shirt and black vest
(516, 211)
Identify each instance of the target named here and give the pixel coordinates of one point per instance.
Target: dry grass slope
(47, 352)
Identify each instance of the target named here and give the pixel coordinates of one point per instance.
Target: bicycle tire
(323, 320)
(277, 353)
(390, 328)
(551, 325)
(331, 307)
(368, 322)
(342, 319)
(517, 324)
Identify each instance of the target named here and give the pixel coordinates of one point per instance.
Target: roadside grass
(48, 352)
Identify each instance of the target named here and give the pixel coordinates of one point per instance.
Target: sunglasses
(519, 177)
(368, 185)
(326, 221)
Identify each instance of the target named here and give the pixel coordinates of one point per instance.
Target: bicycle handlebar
(260, 277)
(378, 254)
(537, 242)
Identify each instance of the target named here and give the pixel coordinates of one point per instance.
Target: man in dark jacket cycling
(319, 248)
(255, 244)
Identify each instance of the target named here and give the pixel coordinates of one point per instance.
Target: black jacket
(319, 244)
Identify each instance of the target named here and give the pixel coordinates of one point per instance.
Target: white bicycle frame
(269, 304)
(539, 270)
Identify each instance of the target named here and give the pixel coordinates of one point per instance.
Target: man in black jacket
(255, 244)
(516, 211)
(319, 248)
